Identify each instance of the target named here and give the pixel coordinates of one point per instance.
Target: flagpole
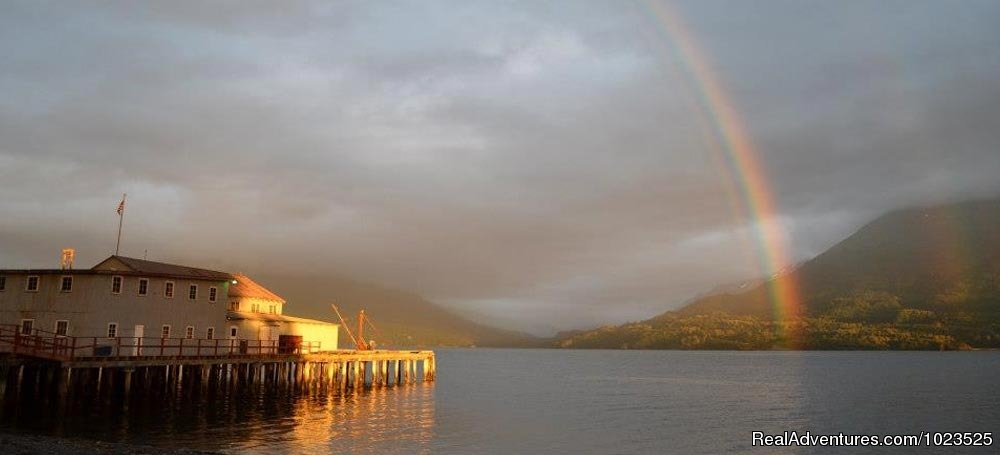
(121, 218)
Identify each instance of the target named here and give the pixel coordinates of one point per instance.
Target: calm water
(557, 401)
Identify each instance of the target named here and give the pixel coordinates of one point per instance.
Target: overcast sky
(541, 163)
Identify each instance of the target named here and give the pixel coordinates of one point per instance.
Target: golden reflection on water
(393, 419)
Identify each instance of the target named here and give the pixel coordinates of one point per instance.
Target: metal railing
(48, 345)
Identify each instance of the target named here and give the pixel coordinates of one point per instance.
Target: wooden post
(128, 381)
(65, 374)
(20, 376)
(100, 372)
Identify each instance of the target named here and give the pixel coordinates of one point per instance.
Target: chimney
(67, 258)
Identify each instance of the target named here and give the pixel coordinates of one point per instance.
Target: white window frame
(189, 332)
(56, 328)
(27, 283)
(62, 282)
(213, 294)
(165, 331)
(112, 325)
(210, 333)
(31, 326)
(138, 289)
(121, 284)
(172, 289)
(193, 287)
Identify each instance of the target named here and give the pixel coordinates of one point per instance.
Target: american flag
(121, 205)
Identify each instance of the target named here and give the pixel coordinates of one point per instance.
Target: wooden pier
(65, 364)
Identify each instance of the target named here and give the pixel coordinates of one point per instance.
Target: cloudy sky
(545, 164)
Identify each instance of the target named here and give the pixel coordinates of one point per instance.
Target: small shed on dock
(257, 313)
(286, 331)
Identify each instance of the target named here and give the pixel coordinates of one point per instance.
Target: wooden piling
(127, 380)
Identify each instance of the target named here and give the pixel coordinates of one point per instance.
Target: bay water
(569, 401)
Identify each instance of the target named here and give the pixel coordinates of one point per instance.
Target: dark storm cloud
(522, 161)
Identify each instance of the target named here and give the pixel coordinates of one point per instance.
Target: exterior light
(234, 281)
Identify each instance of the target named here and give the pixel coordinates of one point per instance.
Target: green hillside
(924, 278)
(402, 319)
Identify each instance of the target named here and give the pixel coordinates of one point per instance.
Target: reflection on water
(382, 420)
(501, 401)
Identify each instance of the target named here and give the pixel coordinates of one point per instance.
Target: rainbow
(741, 161)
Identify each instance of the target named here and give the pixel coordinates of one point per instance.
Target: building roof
(245, 287)
(144, 267)
(243, 316)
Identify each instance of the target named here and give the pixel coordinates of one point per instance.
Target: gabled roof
(144, 267)
(245, 287)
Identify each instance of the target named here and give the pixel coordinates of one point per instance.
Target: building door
(232, 338)
(272, 339)
(140, 331)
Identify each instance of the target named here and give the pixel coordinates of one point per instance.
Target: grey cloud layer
(539, 161)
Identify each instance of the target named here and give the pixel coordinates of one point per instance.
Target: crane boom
(346, 327)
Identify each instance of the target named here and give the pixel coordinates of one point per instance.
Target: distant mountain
(944, 258)
(402, 319)
(914, 279)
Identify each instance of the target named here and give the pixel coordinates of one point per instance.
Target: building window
(66, 285)
(189, 332)
(3, 283)
(193, 292)
(168, 289)
(212, 293)
(116, 284)
(165, 331)
(234, 306)
(255, 308)
(112, 330)
(272, 310)
(26, 326)
(232, 332)
(210, 333)
(62, 327)
(32, 284)
(143, 286)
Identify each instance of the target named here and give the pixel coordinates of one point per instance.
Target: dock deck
(72, 362)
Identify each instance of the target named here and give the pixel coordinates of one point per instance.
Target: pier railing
(48, 345)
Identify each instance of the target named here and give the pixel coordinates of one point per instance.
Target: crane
(359, 340)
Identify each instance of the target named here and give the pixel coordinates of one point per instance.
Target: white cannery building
(147, 300)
